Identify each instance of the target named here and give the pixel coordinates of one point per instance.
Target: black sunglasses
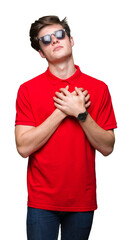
(59, 34)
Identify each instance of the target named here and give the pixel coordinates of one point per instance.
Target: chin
(60, 58)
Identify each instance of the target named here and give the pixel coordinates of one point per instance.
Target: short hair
(43, 22)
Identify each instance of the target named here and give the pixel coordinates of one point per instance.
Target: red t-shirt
(61, 175)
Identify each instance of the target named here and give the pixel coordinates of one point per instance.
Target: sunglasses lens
(46, 39)
(60, 34)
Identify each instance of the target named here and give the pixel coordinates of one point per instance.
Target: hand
(87, 97)
(72, 103)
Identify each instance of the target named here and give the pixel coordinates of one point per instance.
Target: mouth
(57, 48)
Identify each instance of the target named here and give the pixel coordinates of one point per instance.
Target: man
(63, 116)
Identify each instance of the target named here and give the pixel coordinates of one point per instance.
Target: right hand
(87, 101)
(85, 93)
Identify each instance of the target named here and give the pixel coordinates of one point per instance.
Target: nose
(54, 39)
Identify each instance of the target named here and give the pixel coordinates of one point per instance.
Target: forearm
(33, 139)
(99, 138)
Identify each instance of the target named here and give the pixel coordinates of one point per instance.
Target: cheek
(68, 46)
(47, 52)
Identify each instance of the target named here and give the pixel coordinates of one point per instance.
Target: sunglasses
(59, 34)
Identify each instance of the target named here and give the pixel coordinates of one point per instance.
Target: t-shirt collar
(71, 79)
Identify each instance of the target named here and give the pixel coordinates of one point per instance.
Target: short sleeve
(106, 116)
(24, 114)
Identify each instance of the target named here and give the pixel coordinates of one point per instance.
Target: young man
(63, 116)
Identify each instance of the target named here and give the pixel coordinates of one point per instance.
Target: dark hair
(43, 22)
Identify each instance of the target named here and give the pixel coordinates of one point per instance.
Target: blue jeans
(44, 224)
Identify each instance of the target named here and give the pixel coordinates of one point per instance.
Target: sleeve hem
(110, 126)
(25, 123)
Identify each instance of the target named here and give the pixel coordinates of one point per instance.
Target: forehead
(49, 29)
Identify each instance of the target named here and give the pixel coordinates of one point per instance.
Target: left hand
(69, 103)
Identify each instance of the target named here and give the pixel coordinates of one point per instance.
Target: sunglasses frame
(41, 39)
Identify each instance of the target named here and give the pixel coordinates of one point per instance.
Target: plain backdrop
(102, 32)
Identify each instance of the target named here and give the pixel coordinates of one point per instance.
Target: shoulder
(94, 81)
(32, 83)
(93, 84)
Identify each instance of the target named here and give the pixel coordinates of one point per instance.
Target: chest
(42, 102)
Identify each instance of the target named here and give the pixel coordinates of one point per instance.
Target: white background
(103, 49)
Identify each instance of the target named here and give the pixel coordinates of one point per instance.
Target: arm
(99, 138)
(29, 139)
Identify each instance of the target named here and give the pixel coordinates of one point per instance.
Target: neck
(63, 70)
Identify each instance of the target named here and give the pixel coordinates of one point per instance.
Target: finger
(57, 100)
(67, 87)
(58, 106)
(60, 95)
(74, 92)
(85, 92)
(87, 104)
(87, 97)
(81, 89)
(78, 91)
(65, 91)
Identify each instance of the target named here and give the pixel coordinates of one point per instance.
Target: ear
(72, 41)
(42, 54)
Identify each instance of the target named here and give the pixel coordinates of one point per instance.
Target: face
(59, 49)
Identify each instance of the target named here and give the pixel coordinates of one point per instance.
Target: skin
(61, 64)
